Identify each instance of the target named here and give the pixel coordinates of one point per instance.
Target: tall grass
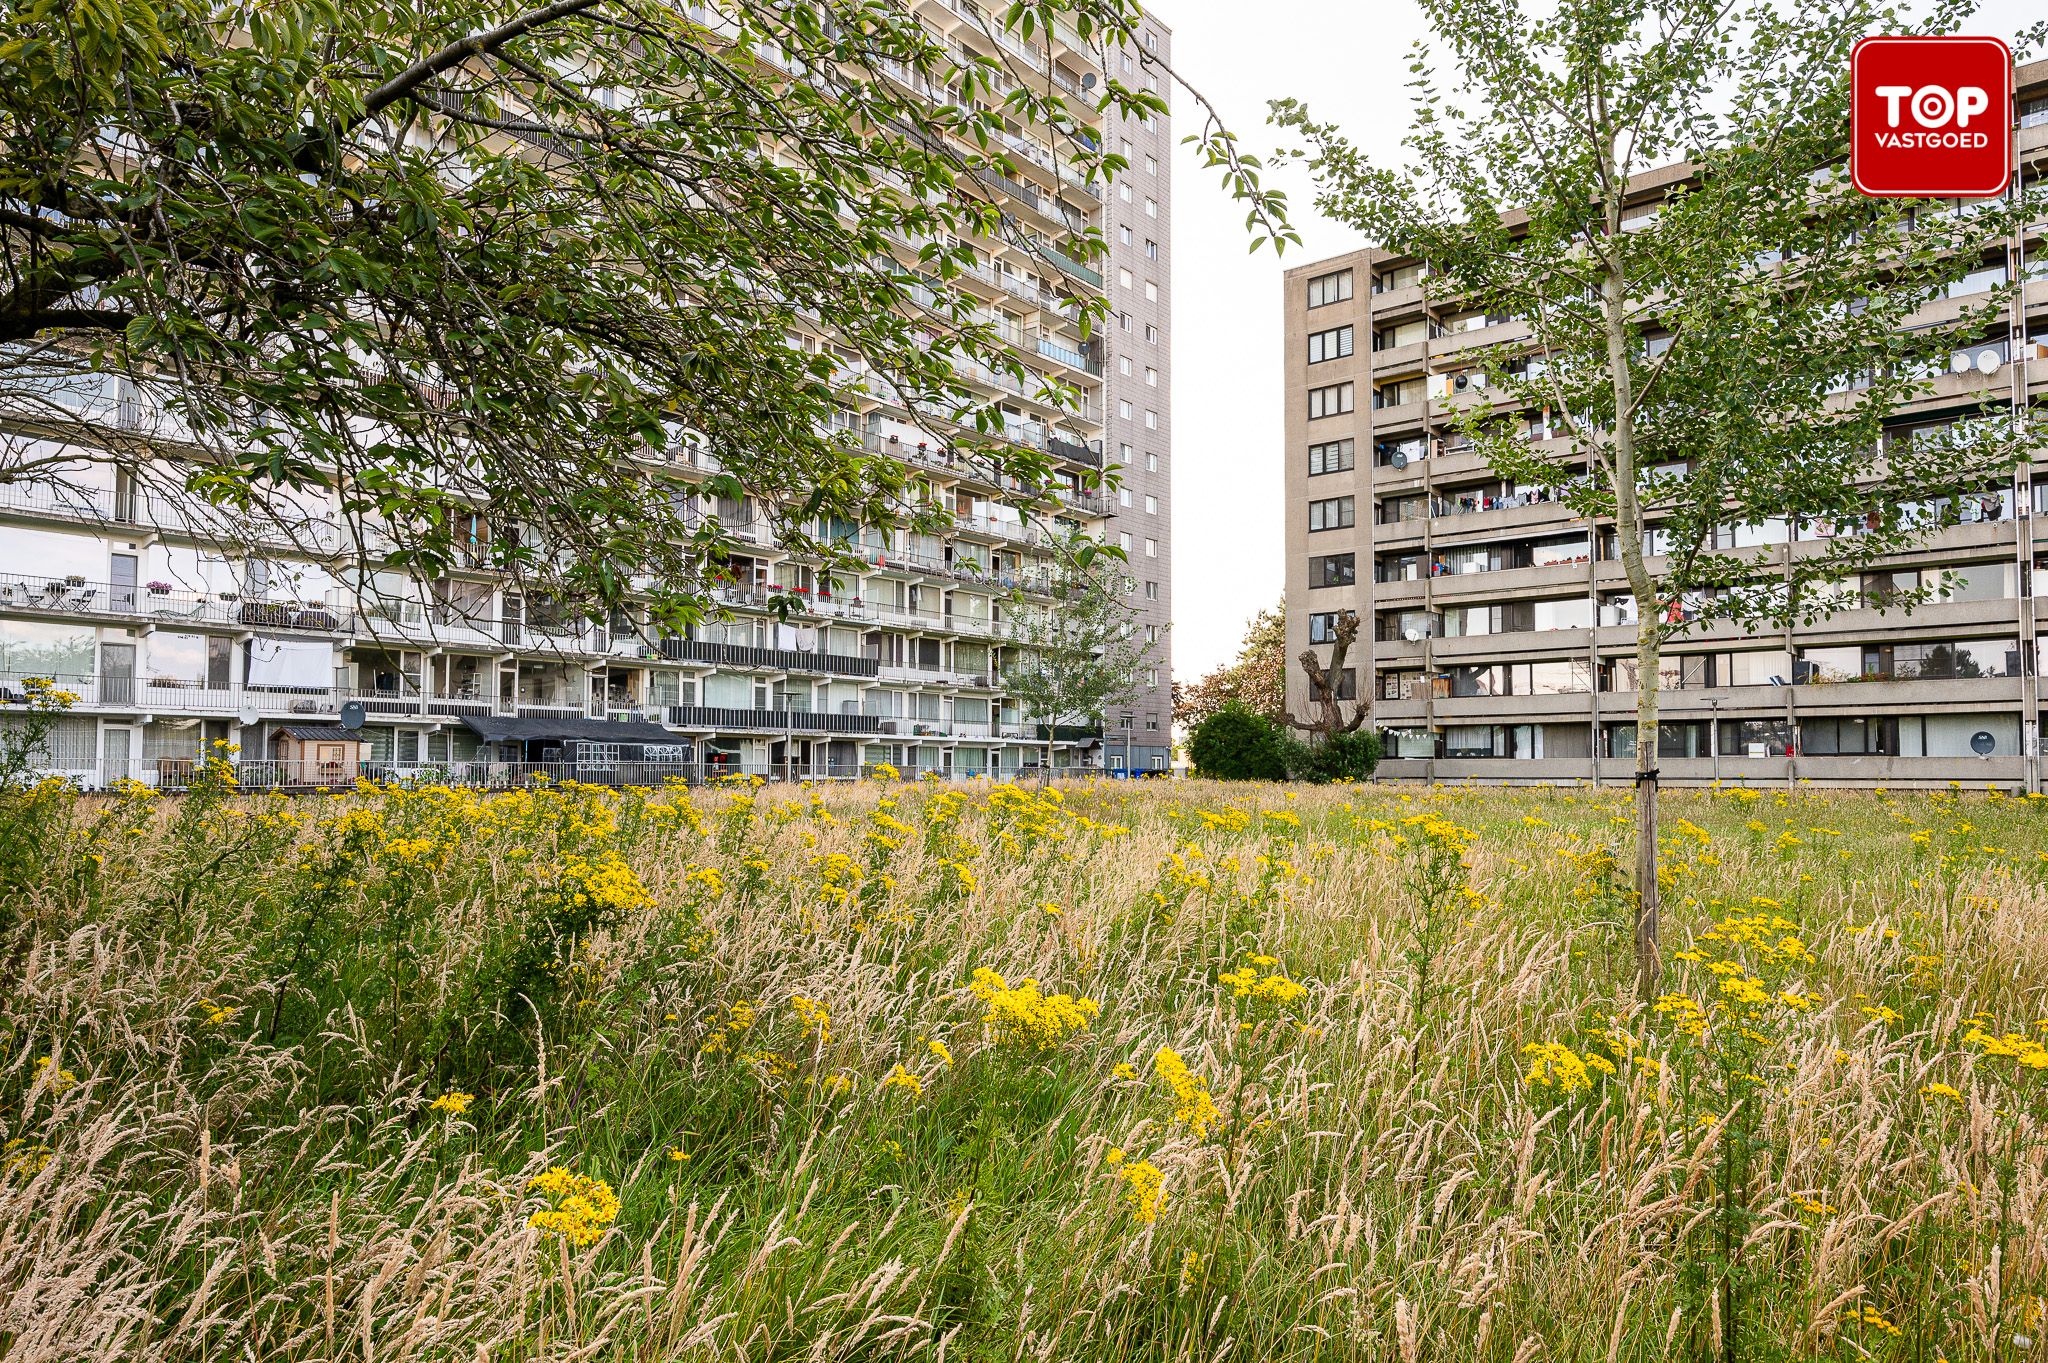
(1337, 1074)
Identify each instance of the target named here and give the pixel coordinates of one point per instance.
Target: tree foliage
(1236, 743)
(1075, 650)
(1256, 678)
(432, 261)
(1721, 352)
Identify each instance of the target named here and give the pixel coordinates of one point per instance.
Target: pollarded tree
(1333, 714)
(1074, 647)
(1713, 351)
(451, 266)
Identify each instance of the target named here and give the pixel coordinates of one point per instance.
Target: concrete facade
(1138, 371)
(173, 632)
(1496, 642)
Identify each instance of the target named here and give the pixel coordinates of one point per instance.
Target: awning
(510, 729)
(319, 733)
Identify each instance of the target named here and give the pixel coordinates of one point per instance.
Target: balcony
(1070, 357)
(768, 659)
(127, 694)
(33, 595)
(717, 719)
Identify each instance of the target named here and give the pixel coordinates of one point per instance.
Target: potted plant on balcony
(158, 588)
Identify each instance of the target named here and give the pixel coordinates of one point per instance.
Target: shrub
(1236, 744)
(1340, 757)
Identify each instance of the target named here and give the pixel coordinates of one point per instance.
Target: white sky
(1349, 64)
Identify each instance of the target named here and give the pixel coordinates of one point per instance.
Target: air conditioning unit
(887, 726)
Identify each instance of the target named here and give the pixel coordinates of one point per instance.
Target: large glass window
(1331, 400)
(1333, 570)
(1322, 626)
(1755, 737)
(1679, 738)
(1332, 456)
(1334, 344)
(1325, 289)
(1332, 513)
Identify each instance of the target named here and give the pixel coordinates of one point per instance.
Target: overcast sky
(1349, 64)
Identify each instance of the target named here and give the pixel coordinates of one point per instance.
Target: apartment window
(1151, 208)
(1151, 505)
(1123, 365)
(1151, 42)
(1151, 420)
(1124, 193)
(1333, 570)
(1128, 66)
(1325, 289)
(1152, 721)
(1332, 456)
(1151, 249)
(1124, 409)
(1755, 737)
(1334, 344)
(1151, 634)
(1151, 462)
(1124, 453)
(1333, 513)
(1401, 277)
(1151, 165)
(1396, 394)
(1124, 234)
(1331, 400)
(1129, 150)
(1151, 676)
(1151, 548)
(1151, 292)
(1152, 333)
(1123, 496)
(1123, 277)
(1151, 377)
(1322, 626)
(1151, 591)
(1124, 542)
(1124, 318)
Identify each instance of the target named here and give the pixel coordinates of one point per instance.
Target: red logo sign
(1931, 117)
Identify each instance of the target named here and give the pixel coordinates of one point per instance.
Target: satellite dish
(1412, 634)
(1400, 459)
(1988, 361)
(248, 717)
(1959, 363)
(1088, 80)
(352, 715)
(1462, 382)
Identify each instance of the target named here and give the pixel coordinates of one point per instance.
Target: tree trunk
(1648, 963)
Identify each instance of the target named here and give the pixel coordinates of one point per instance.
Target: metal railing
(721, 718)
(30, 593)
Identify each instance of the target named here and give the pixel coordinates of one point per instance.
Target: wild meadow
(1096, 1071)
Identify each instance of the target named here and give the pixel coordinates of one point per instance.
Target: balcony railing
(777, 659)
(35, 594)
(773, 721)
